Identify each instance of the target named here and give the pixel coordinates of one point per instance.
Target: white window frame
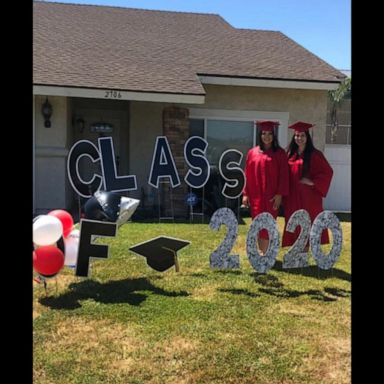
(241, 115)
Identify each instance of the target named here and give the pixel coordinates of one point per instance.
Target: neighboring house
(338, 152)
(154, 73)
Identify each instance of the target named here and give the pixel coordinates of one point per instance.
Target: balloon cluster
(55, 243)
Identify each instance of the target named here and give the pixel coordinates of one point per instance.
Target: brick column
(176, 129)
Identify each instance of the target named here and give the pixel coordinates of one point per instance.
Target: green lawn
(130, 324)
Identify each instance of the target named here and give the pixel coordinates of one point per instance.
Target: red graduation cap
(267, 125)
(300, 126)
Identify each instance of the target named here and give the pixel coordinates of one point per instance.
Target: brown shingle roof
(158, 51)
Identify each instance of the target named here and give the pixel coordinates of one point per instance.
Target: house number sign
(112, 94)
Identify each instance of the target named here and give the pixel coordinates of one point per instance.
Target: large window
(223, 130)
(222, 135)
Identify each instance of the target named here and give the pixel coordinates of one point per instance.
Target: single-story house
(136, 74)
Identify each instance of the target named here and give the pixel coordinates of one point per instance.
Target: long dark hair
(309, 148)
(275, 142)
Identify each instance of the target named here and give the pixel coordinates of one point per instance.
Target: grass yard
(130, 324)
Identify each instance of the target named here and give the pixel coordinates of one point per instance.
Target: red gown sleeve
(321, 173)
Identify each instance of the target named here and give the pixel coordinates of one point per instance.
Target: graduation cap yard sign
(161, 252)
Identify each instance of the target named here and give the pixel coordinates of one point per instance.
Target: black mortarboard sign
(161, 252)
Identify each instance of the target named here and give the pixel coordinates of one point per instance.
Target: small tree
(336, 97)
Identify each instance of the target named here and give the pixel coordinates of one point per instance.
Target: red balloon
(48, 260)
(66, 220)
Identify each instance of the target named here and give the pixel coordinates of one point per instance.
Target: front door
(89, 131)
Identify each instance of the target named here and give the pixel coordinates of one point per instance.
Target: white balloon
(47, 230)
(71, 249)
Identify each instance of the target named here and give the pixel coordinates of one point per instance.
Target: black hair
(309, 148)
(275, 142)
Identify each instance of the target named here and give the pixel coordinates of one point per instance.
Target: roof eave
(116, 94)
(269, 83)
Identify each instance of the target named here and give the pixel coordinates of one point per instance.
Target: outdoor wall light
(46, 110)
(80, 124)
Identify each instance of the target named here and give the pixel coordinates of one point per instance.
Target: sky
(321, 26)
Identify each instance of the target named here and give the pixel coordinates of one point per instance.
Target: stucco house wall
(140, 124)
(146, 118)
(302, 104)
(51, 150)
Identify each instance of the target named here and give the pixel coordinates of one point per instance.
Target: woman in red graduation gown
(266, 173)
(310, 176)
